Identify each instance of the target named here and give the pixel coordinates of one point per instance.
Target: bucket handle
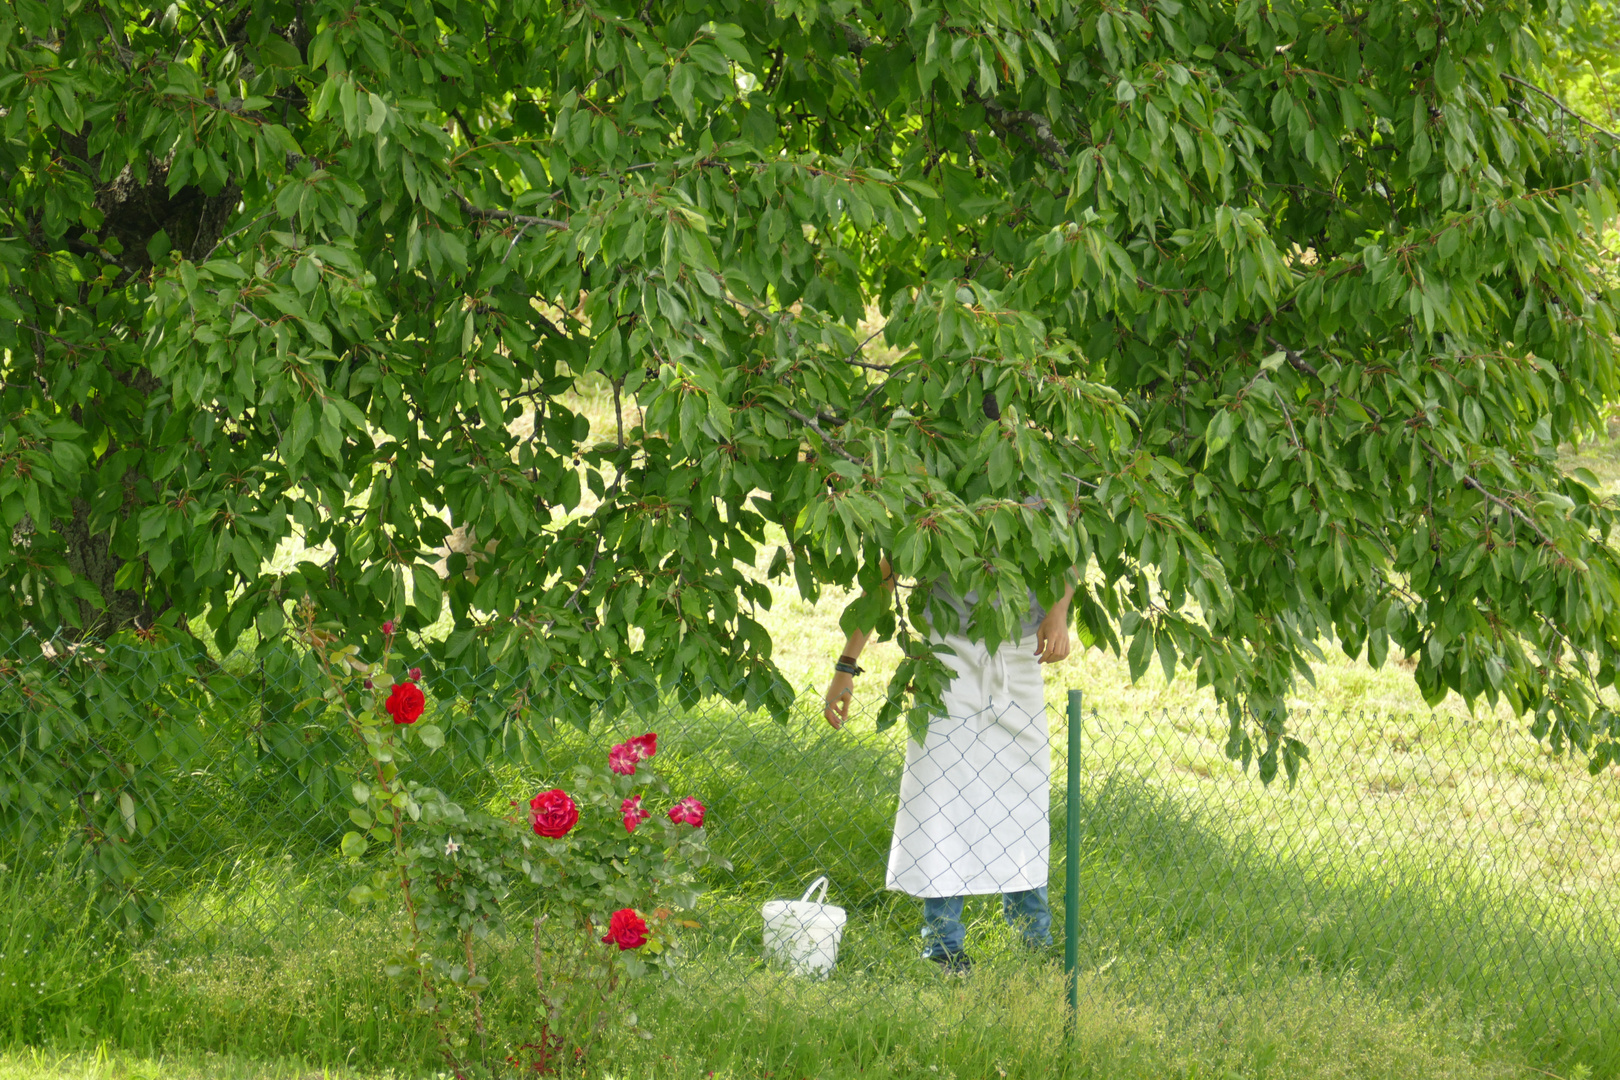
(822, 881)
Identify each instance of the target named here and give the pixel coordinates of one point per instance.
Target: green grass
(105, 1063)
(1437, 897)
(1432, 899)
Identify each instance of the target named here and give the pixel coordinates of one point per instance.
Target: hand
(1052, 636)
(840, 692)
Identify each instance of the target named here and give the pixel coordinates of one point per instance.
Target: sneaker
(958, 963)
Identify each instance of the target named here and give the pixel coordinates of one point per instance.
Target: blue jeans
(1026, 912)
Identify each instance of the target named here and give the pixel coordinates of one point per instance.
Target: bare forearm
(841, 690)
(1061, 607)
(858, 638)
(856, 642)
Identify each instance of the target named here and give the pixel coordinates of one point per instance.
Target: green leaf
(1446, 76)
(1141, 651)
(298, 433)
(275, 51)
(428, 596)
(1219, 430)
(306, 274)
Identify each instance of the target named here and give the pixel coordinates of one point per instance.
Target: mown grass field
(1438, 896)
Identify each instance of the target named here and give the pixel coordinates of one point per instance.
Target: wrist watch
(848, 666)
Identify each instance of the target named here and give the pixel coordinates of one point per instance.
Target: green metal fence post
(1071, 861)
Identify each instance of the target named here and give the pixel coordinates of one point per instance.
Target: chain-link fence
(1417, 858)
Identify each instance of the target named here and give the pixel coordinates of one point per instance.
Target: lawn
(1435, 897)
(1438, 896)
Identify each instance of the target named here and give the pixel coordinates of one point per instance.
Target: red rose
(626, 930)
(553, 813)
(633, 813)
(388, 627)
(645, 746)
(622, 759)
(688, 810)
(405, 702)
(416, 673)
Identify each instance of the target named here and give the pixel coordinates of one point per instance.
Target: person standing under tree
(974, 796)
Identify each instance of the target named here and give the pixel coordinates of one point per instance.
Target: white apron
(974, 797)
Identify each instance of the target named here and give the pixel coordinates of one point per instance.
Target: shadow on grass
(1161, 882)
(1180, 903)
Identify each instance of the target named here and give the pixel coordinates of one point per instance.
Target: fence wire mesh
(200, 804)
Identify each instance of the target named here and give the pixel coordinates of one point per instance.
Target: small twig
(854, 40)
(867, 400)
(472, 143)
(513, 245)
(1299, 363)
(237, 232)
(1082, 483)
(104, 253)
(618, 409)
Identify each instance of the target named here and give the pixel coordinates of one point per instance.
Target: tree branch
(1470, 482)
(1044, 138)
(859, 349)
(1295, 361)
(1565, 109)
(507, 215)
(837, 447)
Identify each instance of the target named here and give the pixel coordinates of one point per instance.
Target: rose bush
(603, 895)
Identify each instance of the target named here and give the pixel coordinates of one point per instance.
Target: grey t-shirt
(964, 605)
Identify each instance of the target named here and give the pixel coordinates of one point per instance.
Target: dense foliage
(1284, 308)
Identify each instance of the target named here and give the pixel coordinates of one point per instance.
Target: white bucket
(804, 933)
